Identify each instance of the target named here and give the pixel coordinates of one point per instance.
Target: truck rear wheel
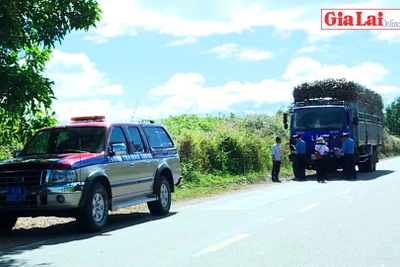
(163, 191)
(370, 164)
(94, 215)
(7, 222)
(375, 160)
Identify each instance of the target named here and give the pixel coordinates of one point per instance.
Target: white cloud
(188, 92)
(254, 55)
(76, 76)
(128, 17)
(386, 89)
(367, 73)
(113, 112)
(392, 37)
(234, 50)
(313, 49)
(223, 51)
(187, 40)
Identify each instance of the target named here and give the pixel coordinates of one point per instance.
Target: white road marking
(222, 208)
(345, 192)
(221, 245)
(308, 208)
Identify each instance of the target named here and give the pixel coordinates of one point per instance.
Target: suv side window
(117, 136)
(158, 137)
(136, 138)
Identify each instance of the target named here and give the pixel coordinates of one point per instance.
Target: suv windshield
(319, 118)
(66, 140)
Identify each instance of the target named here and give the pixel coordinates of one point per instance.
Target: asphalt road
(340, 223)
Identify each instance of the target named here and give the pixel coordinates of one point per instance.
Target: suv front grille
(25, 178)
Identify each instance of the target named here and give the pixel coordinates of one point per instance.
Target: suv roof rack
(149, 121)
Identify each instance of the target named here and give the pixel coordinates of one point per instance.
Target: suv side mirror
(355, 121)
(117, 149)
(16, 153)
(285, 120)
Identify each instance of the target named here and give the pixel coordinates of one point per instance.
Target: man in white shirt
(276, 160)
(321, 149)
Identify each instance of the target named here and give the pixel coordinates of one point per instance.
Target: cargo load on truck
(340, 89)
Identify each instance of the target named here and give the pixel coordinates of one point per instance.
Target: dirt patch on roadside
(30, 230)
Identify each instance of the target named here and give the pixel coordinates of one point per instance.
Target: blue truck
(317, 117)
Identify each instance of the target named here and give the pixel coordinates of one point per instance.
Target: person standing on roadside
(276, 160)
(349, 167)
(292, 157)
(326, 138)
(300, 157)
(321, 151)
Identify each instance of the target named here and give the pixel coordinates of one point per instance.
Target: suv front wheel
(163, 191)
(94, 215)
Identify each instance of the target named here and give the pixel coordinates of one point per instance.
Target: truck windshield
(66, 140)
(319, 118)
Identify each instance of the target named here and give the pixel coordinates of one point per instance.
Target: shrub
(391, 145)
(217, 149)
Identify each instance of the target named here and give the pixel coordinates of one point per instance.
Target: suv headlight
(62, 176)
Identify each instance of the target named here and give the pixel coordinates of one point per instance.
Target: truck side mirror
(285, 120)
(355, 121)
(16, 153)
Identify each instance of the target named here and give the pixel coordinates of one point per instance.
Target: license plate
(16, 194)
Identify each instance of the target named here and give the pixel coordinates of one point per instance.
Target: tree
(29, 29)
(392, 118)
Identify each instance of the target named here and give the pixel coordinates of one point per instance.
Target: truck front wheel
(94, 215)
(7, 222)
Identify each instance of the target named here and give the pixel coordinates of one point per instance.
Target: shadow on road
(361, 176)
(30, 239)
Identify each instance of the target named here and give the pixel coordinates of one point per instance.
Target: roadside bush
(391, 145)
(6, 151)
(217, 149)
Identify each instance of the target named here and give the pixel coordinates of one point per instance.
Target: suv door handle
(132, 164)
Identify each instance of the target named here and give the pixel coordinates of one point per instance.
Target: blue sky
(212, 56)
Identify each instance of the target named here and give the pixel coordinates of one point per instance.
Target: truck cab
(324, 116)
(311, 122)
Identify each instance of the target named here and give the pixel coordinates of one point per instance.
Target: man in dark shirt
(300, 157)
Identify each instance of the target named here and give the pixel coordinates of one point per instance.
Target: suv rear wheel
(94, 215)
(7, 222)
(163, 191)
